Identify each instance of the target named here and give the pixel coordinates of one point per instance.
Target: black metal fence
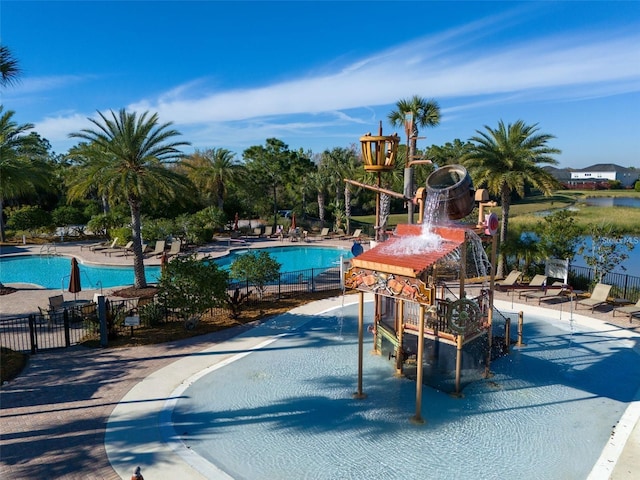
(623, 286)
(32, 333)
(74, 325)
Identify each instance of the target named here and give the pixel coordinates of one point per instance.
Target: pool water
(54, 271)
(293, 259)
(286, 411)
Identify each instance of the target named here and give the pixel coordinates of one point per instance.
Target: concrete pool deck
(54, 415)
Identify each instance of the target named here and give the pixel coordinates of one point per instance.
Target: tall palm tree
(131, 166)
(212, 171)
(412, 113)
(21, 168)
(9, 69)
(318, 184)
(505, 159)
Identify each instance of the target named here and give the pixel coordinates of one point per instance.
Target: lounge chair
(511, 281)
(117, 249)
(268, 231)
(91, 246)
(556, 290)
(324, 233)
(175, 248)
(159, 249)
(536, 283)
(356, 235)
(599, 296)
(630, 310)
(102, 246)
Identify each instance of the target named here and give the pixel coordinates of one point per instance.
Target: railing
(623, 285)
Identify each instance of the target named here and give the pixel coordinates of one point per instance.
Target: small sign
(132, 321)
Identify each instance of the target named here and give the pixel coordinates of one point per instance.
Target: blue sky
(319, 74)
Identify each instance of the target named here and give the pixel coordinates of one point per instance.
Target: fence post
(313, 282)
(32, 335)
(102, 319)
(67, 337)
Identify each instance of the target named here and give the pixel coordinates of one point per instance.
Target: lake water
(613, 202)
(631, 266)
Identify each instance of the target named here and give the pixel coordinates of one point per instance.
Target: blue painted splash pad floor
(286, 411)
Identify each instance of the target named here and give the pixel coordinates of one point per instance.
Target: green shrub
(152, 314)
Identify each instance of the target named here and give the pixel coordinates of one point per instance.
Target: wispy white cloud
(382, 79)
(447, 65)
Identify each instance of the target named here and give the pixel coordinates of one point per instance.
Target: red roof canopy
(413, 265)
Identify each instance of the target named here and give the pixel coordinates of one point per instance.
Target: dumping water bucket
(454, 188)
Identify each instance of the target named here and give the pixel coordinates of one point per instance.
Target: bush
(637, 187)
(152, 314)
(191, 286)
(258, 268)
(29, 218)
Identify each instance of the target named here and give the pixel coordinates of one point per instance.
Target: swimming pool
(53, 271)
(286, 411)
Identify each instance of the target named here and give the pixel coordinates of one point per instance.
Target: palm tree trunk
(347, 206)
(140, 279)
(321, 209)
(506, 203)
(2, 233)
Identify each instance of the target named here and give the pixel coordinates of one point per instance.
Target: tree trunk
(347, 206)
(140, 279)
(506, 203)
(2, 233)
(321, 211)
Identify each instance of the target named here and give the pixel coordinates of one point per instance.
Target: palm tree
(318, 184)
(412, 113)
(127, 157)
(504, 160)
(9, 69)
(21, 168)
(212, 171)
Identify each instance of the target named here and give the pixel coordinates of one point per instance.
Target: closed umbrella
(163, 262)
(235, 222)
(293, 221)
(74, 281)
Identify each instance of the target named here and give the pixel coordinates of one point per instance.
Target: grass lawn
(528, 211)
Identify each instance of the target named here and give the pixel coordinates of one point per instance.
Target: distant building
(596, 176)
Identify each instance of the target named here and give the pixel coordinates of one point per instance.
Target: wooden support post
(417, 418)
(459, 345)
(492, 280)
(520, 328)
(359, 393)
(399, 336)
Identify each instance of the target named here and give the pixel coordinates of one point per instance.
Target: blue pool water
(54, 271)
(286, 411)
(293, 259)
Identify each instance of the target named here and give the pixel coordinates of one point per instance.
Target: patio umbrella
(293, 221)
(74, 281)
(235, 222)
(163, 261)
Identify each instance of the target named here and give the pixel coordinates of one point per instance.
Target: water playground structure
(432, 281)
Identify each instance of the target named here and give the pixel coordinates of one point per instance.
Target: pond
(613, 202)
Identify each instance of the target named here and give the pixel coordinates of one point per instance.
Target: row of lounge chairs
(537, 289)
(112, 248)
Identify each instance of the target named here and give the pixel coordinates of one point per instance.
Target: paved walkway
(54, 415)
